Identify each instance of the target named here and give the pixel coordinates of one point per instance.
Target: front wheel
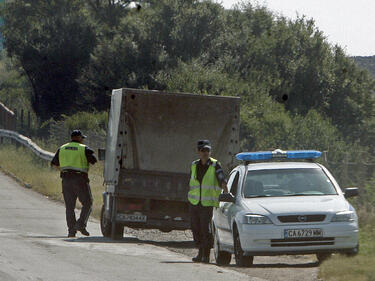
(241, 260)
(221, 257)
(353, 252)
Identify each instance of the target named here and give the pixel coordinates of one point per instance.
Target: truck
(150, 145)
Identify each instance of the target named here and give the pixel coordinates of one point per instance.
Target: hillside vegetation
(367, 63)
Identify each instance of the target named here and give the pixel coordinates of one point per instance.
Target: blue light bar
(278, 153)
(303, 154)
(253, 156)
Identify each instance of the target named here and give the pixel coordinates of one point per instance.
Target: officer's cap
(77, 133)
(204, 144)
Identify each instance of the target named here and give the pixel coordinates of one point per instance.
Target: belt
(72, 172)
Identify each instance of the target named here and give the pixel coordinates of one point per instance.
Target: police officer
(72, 159)
(206, 182)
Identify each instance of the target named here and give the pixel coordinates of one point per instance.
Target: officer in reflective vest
(73, 159)
(206, 183)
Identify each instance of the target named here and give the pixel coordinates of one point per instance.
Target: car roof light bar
(277, 154)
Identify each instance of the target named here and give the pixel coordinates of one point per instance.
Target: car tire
(323, 256)
(105, 224)
(241, 260)
(353, 252)
(221, 257)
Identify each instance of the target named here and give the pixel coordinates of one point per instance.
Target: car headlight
(256, 219)
(345, 216)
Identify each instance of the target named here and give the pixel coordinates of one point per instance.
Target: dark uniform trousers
(76, 185)
(200, 222)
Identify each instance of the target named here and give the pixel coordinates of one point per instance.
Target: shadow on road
(271, 265)
(177, 262)
(132, 240)
(173, 244)
(279, 265)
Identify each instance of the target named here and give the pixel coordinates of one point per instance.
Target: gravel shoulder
(275, 268)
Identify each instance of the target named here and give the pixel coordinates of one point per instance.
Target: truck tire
(117, 231)
(221, 257)
(241, 260)
(105, 224)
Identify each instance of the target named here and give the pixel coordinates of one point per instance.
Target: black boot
(198, 258)
(82, 229)
(206, 255)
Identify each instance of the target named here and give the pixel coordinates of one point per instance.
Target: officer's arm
(221, 177)
(189, 178)
(91, 158)
(55, 161)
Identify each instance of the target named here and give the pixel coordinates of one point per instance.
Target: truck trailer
(151, 143)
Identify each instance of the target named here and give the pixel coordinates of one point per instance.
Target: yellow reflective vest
(72, 156)
(208, 192)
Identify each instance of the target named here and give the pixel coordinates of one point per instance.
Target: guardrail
(43, 154)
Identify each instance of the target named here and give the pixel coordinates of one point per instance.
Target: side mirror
(351, 192)
(101, 154)
(227, 197)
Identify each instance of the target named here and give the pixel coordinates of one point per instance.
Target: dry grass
(360, 267)
(37, 174)
(340, 268)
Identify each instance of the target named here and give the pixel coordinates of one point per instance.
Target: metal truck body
(151, 143)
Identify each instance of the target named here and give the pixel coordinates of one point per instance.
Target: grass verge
(358, 268)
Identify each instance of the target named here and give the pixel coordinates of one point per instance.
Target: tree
(147, 41)
(52, 42)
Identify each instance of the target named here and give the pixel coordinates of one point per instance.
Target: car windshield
(287, 182)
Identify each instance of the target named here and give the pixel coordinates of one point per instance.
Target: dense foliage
(366, 63)
(298, 91)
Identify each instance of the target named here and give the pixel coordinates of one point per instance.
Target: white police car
(283, 207)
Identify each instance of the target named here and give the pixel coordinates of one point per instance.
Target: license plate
(303, 232)
(129, 217)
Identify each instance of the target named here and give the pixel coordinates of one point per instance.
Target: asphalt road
(33, 246)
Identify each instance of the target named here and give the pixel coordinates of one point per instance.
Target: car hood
(293, 205)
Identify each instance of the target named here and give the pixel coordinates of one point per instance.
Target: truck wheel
(117, 231)
(221, 257)
(241, 260)
(105, 224)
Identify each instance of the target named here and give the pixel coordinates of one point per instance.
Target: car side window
(233, 182)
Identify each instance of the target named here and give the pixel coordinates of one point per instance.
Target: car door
(225, 211)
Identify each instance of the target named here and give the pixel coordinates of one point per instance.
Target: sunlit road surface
(34, 246)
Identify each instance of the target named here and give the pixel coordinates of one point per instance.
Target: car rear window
(287, 182)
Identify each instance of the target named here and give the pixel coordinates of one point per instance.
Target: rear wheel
(117, 231)
(241, 260)
(105, 224)
(221, 257)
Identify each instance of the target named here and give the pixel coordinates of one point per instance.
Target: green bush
(86, 121)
